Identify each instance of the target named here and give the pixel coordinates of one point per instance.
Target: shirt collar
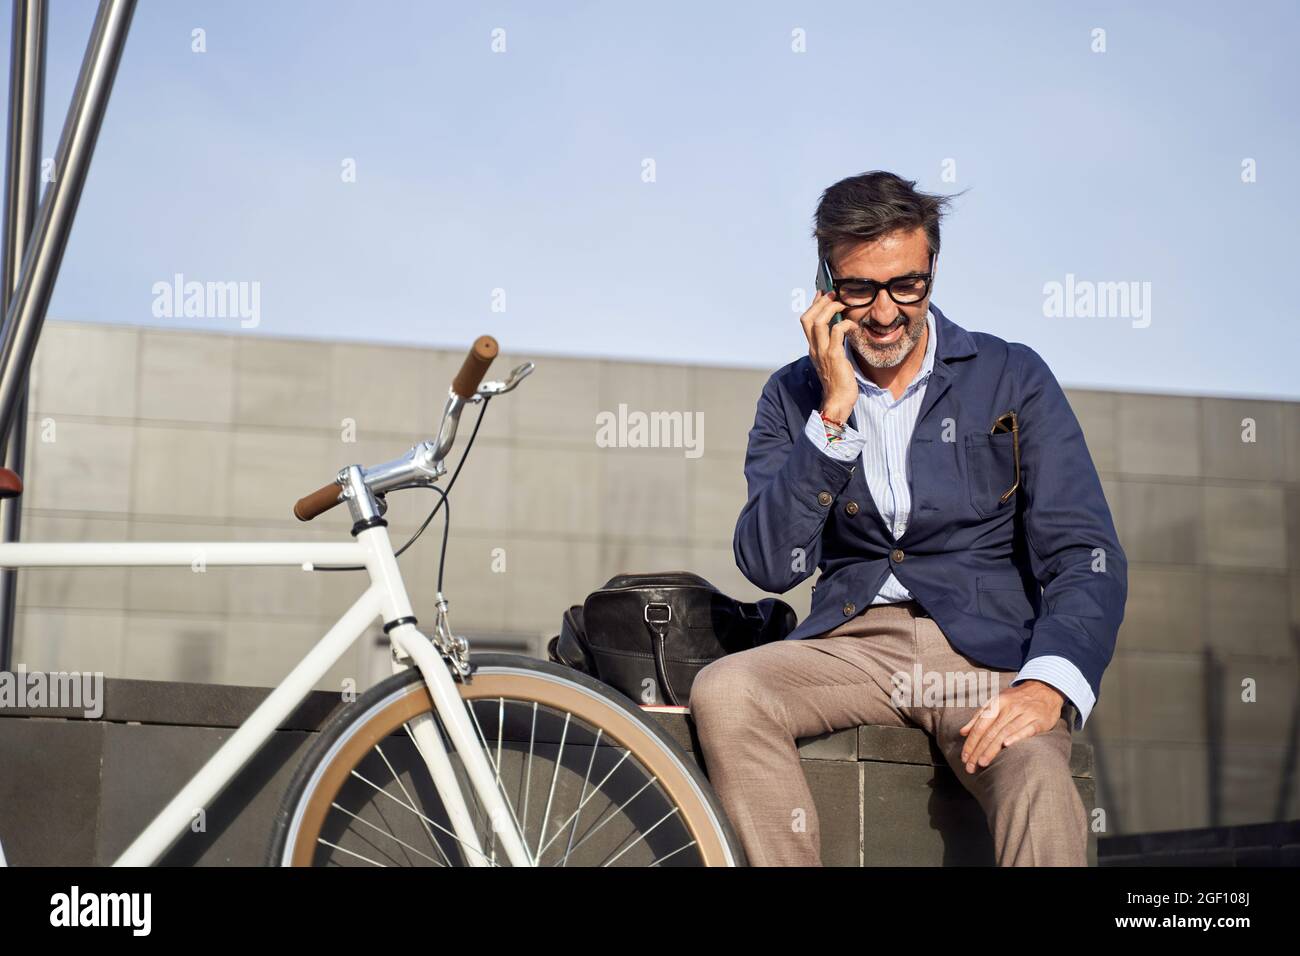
(927, 363)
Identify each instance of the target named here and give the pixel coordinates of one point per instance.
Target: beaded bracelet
(834, 429)
(831, 421)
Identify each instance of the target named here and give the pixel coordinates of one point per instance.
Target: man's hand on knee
(1024, 710)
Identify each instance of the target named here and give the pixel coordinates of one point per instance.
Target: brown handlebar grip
(480, 356)
(318, 502)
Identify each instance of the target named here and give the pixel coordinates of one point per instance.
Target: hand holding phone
(826, 348)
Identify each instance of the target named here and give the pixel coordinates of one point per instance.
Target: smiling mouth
(883, 332)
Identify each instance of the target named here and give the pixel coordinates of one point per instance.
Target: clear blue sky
(523, 171)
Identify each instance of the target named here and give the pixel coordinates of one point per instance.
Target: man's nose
(883, 310)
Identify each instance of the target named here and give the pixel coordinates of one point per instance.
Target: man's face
(884, 332)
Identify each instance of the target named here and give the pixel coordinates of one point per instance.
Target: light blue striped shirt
(888, 422)
(880, 432)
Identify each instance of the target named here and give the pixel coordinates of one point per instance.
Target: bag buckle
(752, 612)
(665, 620)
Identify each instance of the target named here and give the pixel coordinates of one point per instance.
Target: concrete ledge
(200, 705)
(75, 791)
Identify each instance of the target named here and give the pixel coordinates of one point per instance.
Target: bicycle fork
(464, 737)
(409, 642)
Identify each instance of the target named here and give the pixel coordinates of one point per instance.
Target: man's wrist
(1056, 692)
(839, 411)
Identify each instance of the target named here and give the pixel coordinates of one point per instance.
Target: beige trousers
(750, 707)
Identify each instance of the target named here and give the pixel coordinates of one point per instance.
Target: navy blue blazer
(1042, 574)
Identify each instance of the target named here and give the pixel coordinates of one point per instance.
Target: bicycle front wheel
(587, 777)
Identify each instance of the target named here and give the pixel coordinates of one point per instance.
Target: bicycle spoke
(389, 835)
(501, 725)
(673, 812)
(601, 823)
(467, 788)
(405, 793)
(349, 852)
(528, 771)
(381, 790)
(675, 852)
(555, 775)
(478, 729)
(586, 779)
(461, 775)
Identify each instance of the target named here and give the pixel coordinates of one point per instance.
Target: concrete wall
(152, 434)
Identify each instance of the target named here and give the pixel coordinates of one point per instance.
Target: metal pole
(22, 192)
(25, 311)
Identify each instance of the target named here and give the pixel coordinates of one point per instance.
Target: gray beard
(889, 355)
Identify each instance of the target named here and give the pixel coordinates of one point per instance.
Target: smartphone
(824, 285)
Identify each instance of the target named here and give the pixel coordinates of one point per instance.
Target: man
(937, 478)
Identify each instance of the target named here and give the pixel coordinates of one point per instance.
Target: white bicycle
(457, 758)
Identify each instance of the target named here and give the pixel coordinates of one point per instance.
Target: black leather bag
(648, 635)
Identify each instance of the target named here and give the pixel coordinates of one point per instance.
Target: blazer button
(896, 555)
(848, 610)
(823, 498)
(851, 508)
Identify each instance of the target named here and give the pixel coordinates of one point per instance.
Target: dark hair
(871, 205)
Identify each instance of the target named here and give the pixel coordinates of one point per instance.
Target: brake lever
(517, 375)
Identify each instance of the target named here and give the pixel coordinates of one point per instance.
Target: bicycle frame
(385, 598)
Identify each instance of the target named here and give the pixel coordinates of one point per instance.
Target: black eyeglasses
(905, 290)
(1007, 423)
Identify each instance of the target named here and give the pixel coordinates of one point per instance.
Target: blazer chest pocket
(990, 472)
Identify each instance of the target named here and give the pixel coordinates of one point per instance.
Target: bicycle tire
(384, 709)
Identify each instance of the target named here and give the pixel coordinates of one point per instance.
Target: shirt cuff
(846, 449)
(1065, 677)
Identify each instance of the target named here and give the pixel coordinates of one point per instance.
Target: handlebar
(318, 502)
(422, 464)
(475, 366)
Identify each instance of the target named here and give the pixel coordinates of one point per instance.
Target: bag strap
(660, 628)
